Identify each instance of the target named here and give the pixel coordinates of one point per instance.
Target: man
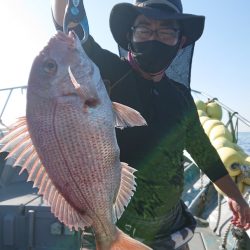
(153, 31)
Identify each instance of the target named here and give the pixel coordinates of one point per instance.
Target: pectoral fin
(127, 117)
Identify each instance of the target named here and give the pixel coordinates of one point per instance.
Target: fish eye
(50, 66)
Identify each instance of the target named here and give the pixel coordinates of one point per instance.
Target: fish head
(52, 70)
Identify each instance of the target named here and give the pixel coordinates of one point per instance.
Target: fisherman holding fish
(153, 32)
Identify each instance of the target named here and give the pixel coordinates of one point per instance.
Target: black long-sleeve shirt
(156, 150)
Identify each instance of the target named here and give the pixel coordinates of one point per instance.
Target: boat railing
(232, 122)
(233, 116)
(9, 93)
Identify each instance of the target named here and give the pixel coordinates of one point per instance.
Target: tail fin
(125, 242)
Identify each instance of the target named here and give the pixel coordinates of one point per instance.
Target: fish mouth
(71, 39)
(72, 35)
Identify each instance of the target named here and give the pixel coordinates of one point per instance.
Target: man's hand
(241, 214)
(239, 207)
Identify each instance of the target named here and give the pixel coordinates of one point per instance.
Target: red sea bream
(68, 146)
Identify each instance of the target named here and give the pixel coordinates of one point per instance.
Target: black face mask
(153, 56)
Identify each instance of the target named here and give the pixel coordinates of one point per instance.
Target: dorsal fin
(126, 189)
(19, 145)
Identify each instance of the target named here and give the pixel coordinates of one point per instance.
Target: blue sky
(221, 58)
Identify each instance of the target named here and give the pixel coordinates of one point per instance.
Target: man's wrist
(240, 201)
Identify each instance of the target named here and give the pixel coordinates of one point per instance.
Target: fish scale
(88, 149)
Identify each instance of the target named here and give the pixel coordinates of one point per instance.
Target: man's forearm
(227, 185)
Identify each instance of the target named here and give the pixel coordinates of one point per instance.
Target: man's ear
(183, 40)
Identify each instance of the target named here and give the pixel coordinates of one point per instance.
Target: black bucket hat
(123, 16)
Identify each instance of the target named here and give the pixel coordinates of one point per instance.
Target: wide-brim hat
(123, 16)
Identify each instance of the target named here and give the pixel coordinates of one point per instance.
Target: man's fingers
(247, 226)
(234, 210)
(241, 214)
(230, 203)
(242, 217)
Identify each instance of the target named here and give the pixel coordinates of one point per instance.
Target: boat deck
(213, 222)
(204, 239)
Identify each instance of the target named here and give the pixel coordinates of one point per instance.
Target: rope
(219, 212)
(224, 238)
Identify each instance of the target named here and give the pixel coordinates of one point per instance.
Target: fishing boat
(206, 201)
(27, 223)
